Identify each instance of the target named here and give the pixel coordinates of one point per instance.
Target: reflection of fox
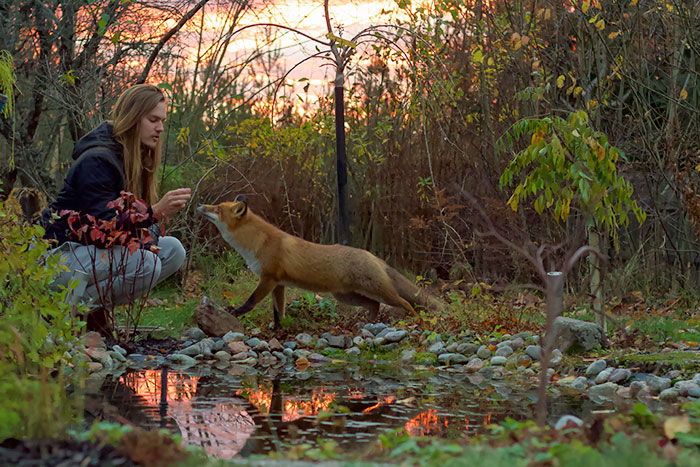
(353, 276)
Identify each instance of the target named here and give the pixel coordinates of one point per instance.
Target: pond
(241, 411)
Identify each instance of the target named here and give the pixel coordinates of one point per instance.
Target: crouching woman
(120, 155)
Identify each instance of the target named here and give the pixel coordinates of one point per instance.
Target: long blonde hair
(140, 163)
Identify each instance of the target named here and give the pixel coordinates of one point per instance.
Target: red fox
(352, 275)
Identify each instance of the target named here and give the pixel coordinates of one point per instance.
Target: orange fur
(352, 275)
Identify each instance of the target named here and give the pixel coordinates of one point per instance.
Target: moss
(680, 360)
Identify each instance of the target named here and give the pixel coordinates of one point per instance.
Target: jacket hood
(99, 137)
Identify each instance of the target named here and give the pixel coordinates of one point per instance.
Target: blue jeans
(116, 276)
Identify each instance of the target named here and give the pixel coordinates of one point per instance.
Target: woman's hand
(171, 202)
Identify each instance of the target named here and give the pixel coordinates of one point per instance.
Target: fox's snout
(207, 210)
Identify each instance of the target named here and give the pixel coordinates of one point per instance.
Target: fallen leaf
(675, 425)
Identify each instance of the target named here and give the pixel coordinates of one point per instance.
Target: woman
(119, 155)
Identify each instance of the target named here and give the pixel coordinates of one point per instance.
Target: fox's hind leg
(355, 299)
(278, 304)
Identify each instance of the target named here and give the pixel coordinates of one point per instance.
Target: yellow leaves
(585, 6)
(537, 137)
(477, 55)
(341, 41)
(600, 25)
(684, 94)
(600, 152)
(515, 198)
(613, 35)
(183, 136)
(565, 208)
(517, 41)
(560, 81)
(577, 90)
(634, 2)
(228, 295)
(675, 425)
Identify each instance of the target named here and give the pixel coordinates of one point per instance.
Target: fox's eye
(218, 209)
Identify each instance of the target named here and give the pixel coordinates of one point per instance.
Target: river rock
(353, 351)
(556, 357)
(574, 335)
(688, 388)
(568, 421)
(233, 336)
(450, 358)
(396, 336)
(193, 333)
(318, 358)
(238, 347)
(483, 352)
(339, 342)
(669, 395)
(437, 348)
(517, 343)
(119, 350)
(595, 368)
(304, 339)
(215, 320)
(181, 359)
(467, 348)
(620, 375)
(407, 355)
(656, 384)
(498, 360)
(375, 328)
(580, 383)
(604, 375)
(534, 352)
(222, 356)
(474, 365)
(602, 392)
(504, 351)
(275, 345)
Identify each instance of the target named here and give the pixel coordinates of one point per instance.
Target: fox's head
(226, 216)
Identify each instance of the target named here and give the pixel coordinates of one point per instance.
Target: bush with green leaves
(36, 327)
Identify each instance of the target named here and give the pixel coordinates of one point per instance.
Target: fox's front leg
(264, 287)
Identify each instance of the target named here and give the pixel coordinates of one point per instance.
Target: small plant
(122, 236)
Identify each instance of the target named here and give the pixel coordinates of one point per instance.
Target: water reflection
(234, 414)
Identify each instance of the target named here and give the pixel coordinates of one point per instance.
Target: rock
(498, 360)
(359, 341)
(580, 383)
(290, 345)
(517, 343)
(181, 359)
(467, 348)
(233, 336)
(195, 334)
(636, 387)
(576, 336)
(687, 388)
(215, 320)
(222, 356)
(248, 361)
(353, 351)
(504, 351)
(483, 352)
(656, 384)
(602, 392)
(275, 345)
(385, 331)
(100, 355)
(262, 346)
(238, 347)
(318, 358)
(534, 352)
(338, 342)
(437, 348)
(376, 328)
(93, 339)
(304, 339)
(94, 367)
(595, 368)
(669, 395)
(287, 352)
(302, 362)
(673, 374)
(116, 356)
(119, 350)
(568, 421)
(321, 343)
(396, 336)
(240, 356)
(604, 375)
(301, 353)
(556, 357)
(407, 355)
(620, 375)
(202, 347)
(366, 334)
(452, 348)
(474, 365)
(449, 358)
(280, 355)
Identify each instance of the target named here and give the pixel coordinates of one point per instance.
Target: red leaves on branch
(121, 230)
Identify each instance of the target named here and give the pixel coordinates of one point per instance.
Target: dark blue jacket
(95, 178)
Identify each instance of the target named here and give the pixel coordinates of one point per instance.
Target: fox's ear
(240, 208)
(241, 198)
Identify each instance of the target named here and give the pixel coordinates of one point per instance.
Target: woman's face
(152, 125)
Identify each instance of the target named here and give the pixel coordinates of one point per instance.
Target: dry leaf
(675, 425)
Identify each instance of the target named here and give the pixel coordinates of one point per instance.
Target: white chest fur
(247, 254)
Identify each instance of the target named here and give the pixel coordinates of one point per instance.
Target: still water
(240, 411)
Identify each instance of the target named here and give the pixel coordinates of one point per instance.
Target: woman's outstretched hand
(171, 202)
